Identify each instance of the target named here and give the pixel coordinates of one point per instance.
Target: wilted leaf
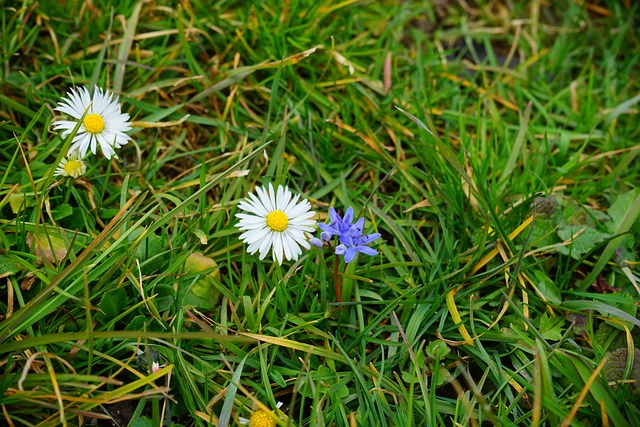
(202, 293)
(17, 200)
(53, 248)
(28, 281)
(197, 263)
(200, 235)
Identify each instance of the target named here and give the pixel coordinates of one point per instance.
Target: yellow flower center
(94, 123)
(277, 221)
(74, 168)
(261, 418)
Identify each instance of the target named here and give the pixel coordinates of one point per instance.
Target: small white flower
(72, 166)
(104, 122)
(276, 221)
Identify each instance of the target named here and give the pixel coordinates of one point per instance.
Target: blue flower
(350, 245)
(338, 225)
(349, 235)
(316, 242)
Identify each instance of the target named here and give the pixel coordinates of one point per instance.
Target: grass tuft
(492, 146)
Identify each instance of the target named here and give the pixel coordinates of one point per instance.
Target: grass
(492, 146)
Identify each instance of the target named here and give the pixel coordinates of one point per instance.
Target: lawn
(329, 213)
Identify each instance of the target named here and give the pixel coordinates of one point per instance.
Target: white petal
(267, 242)
(277, 248)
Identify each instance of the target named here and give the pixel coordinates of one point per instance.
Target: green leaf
(551, 327)
(437, 350)
(142, 422)
(165, 296)
(543, 233)
(547, 288)
(608, 337)
(619, 209)
(339, 390)
(111, 304)
(148, 250)
(627, 221)
(136, 324)
(583, 239)
(62, 211)
(605, 309)
(227, 406)
(7, 266)
(599, 392)
(614, 368)
(107, 213)
(277, 377)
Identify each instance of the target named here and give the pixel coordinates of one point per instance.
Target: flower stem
(337, 286)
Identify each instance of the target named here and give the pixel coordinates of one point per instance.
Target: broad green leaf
(617, 360)
(136, 324)
(583, 239)
(62, 211)
(111, 304)
(142, 422)
(438, 350)
(547, 288)
(604, 309)
(629, 218)
(148, 250)
(7, 266)
(551, 328)
(619, 208)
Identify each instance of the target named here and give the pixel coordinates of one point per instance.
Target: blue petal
(333, 215)
(316, 242)
(348, 216)
(340, 249)
(367, 250)
(370, 238)
(346, 239)
(359, 224)
(326, 236)
(350, 254)
(327, 228)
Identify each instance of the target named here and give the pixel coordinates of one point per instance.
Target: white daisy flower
(276, 221)
(260, 418)
(72, 166)
(103, 123)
